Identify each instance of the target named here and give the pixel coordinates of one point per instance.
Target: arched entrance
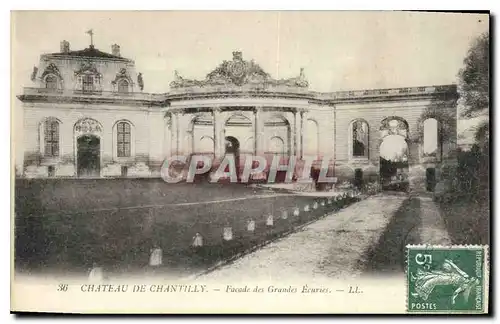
(87, 134)
(88, 156)
(233, 148)
(237, 128)
(394, 154)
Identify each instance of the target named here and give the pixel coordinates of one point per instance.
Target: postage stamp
(446, 279)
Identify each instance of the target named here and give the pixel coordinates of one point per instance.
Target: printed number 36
(422, 259)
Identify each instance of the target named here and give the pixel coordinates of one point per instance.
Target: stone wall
(146, 147)
(314, 129)
(373, 113)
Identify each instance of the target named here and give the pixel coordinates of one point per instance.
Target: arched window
(51, 137)
(277, 146)
(248, 145)
(359, 139)
(51, 82)
(311, 140)
(123, 86)
(206, 145)
(123, 139)
(430, 136)
(201, 126)
(277, 129)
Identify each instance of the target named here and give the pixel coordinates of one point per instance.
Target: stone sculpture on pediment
(219, 76)
(394, 127)
(87, 68)
(219, 73)
(299, 81)
(88, 126)
(122, 74)
(239, 72)
(257, 79)
(180, 82)
(140, 81)
(34, 73)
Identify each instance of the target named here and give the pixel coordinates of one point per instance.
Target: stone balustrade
(76, 94)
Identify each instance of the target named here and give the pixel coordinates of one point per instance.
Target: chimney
(64, 46)
(115, 50)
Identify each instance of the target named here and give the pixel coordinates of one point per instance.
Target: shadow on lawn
(121, 240)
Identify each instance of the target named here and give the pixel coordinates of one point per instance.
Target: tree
(474, 77)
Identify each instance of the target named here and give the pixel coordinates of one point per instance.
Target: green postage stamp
(447, 279)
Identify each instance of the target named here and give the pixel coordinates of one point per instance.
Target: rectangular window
(124, 171)
(51, 170)
(51, 83)
(123, 86)
(123, 139)
(88, 83)
(51, 138)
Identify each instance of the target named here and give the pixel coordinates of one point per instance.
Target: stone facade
(136, 131)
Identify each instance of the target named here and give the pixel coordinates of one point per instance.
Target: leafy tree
(474, 84)
(472, 173)
(474, 77)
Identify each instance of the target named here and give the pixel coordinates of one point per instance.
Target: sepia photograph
(250, 162)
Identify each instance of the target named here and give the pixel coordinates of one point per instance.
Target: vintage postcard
(254, 162)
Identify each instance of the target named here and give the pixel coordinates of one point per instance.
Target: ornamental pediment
(51, 69)
(87, 68)
(88, 126)
(394, 126)
(122, 74)
(239, 72)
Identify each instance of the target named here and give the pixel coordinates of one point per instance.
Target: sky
(338, 50)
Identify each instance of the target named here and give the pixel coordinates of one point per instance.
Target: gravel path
(328, 248)
(433, 226)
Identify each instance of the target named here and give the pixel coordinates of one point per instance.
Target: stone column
(299, 134)
(296, 134)
(219, 141)
(259, 131)
(182, 131)
(167, 143)
(174, 133)
(291, 135)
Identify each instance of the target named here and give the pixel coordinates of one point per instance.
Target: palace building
(86, 115)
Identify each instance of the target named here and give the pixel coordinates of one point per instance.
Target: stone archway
(237, 127)
(87, 134)
(232, 147)
(394, 154)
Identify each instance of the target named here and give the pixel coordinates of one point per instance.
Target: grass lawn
(71, 224)
(467, 220)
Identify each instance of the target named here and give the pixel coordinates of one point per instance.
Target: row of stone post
(156, 253)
